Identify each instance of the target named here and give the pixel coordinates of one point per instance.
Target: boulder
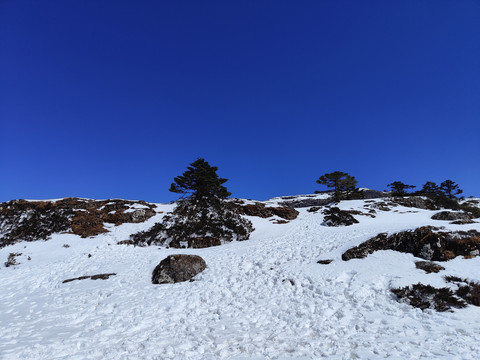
(285, 212)
(452, 215)
(178, 268)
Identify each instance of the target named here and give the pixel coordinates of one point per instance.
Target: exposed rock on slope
(197, 223)
(425, 242)
(450, 215)
(416, 202)
(336, 217)
(260, 210)
(37, 220)
(178, 268)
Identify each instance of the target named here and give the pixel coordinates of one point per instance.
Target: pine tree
(205, 217)
(398, 188)
(344, 185)
(200, 181)
(430, 189)
(450, 189)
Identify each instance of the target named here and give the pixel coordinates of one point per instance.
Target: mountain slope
(264, 298)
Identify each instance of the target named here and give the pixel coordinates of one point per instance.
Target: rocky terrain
(373, 278)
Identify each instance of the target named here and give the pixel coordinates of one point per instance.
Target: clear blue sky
(106, 99)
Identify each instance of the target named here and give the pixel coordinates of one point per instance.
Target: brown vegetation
(37, 220)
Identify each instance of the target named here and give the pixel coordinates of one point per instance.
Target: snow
(264, 298)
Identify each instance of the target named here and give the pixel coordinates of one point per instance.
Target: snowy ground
(264, 298)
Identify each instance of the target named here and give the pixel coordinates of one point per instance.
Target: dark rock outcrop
(462, 222)
(12, 259)
(429, 266)
(336, 217)
(92, 277)
(324, 262)
(428, 297)
(425, 242)
(178, 268)
(196, 242)
(310, 200)
(22, 220)
(451, 215)
(260, 210)
(416, 202)
(467, 290)
(198, 223)
(302, 203)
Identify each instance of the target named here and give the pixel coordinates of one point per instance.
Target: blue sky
(105, 99)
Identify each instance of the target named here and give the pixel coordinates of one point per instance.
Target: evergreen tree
(398, 188)
(344, 185)
(430, 189)
(200, 181)
(205, 217)
(450, 189)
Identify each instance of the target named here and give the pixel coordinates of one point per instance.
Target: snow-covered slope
(264, 298)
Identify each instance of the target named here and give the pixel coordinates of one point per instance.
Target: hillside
(263, 298)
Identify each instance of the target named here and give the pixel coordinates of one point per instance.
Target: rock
(139, 215)
(196, 243)
(452, 215)
(425, 242)
(357, 212)
(12, 259)
(260, 210)
(23, 220)
(416, 202)
(302, 203)
(92, 277)
(314, 209)
(467, 290)
(336, 217)
(324, 262)
(429, 266)
(312, 201)
(285, 212)
(428, 297)
(462, 222)
(374, 194)
(178, 268)
(256, 209)
(126, 242)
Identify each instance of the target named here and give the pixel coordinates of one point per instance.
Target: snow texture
(264, 298)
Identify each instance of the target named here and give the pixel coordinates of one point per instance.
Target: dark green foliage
(444, 195)
(200, 180)
(344, 185)
(430, 190)
(399, 189)
(153, 236)
(450, 189)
